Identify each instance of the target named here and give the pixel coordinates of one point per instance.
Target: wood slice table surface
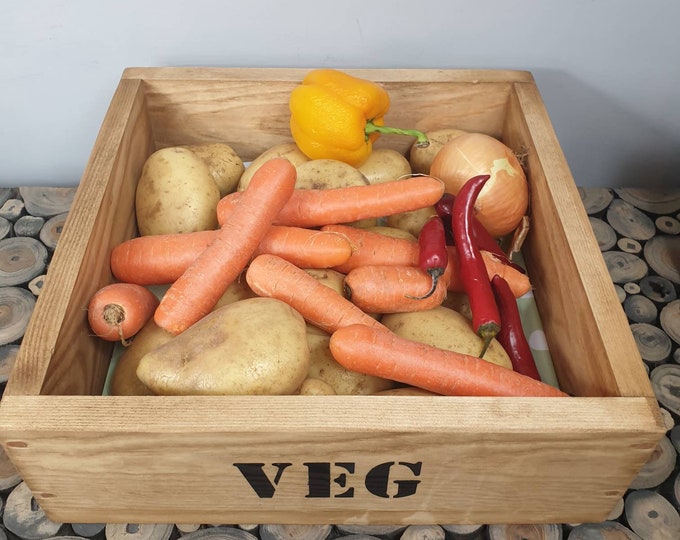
(638, 232)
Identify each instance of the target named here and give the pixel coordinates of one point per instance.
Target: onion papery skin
(504, 199)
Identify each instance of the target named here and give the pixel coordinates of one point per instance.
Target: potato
(421, 158)
(238, 290)
(124, 380)
(316, 387)
(385, 165)
(323, 366)
(330, 278)
(224, 164)
(458, 301)
(255, 346)
(290, 151)
(411, 222)
(406, 391)
(327, 174)
(176, 193)
(330, 174)
(393, 232)
(446, 329)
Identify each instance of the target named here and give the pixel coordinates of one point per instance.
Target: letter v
(258, 480)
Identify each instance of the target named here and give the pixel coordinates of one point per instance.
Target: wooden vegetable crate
(327, 459)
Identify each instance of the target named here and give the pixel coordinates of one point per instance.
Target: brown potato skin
(224, 164)
(175, 194)
(421, 158)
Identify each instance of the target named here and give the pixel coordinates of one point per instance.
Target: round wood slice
(294, 532)
(631, 287)
(604, 234)
(423, 532)
(658, 468)
(28, 226)
(652, 342)
(138, 531)
(595, 199)
(617, 511)
(185, 528)
(624, 267)
(658, 289)
(12, 209)
(652, 516)
(47, 201)
(219, 533)
(383, 531)
(675, 438)
(21, 259)
(667, 225)
(8, 193)
(5, 228)
(668, 420)
(36, 284)
(357, 536)
(651, 200)
(628, 221)
(666, 384)
(640, 309)
(3, 534)
(525, 532)
(629, 245)
(620, 293)
(51, 231)
(9, 476)
(249, 527)
(676, 356)
(605, 530)
(16, 308)
(88, 530)
(464, 532)
(670, 320)
(8, 354)
(662, 253)
(24, 517)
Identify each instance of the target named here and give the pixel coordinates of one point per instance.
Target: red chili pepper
(432, 255)
(486, 319)
(484, 240)
(511, 335)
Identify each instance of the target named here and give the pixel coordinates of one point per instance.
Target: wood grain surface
(649, 299)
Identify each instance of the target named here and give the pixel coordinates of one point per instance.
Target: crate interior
(250, 113)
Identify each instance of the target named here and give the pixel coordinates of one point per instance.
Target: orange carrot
(199, 288)
(317, 207)
(306, 248)
(384, 354)
(391, 289)
(272, 276)
(158, 259)
(519, 283)
(162, 258)
(373, 248)
(119, 310)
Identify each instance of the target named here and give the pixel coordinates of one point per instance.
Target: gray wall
(608, 70)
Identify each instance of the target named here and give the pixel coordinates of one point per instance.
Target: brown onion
(504, 199)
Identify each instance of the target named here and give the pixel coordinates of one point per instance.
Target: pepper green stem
(487, 332)
(421, 139)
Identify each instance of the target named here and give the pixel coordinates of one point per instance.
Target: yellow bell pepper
(337, 116)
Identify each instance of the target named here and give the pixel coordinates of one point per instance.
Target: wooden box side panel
(339, 459)
(590, 341)
(251, 114)
(58, 353)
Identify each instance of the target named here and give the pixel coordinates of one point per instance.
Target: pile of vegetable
(326, 266)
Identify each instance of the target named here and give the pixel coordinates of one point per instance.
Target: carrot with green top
(199, 288)
(384, 354)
